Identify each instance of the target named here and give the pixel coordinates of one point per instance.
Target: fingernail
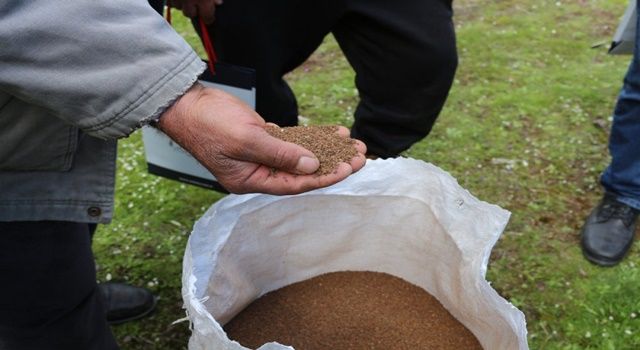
(307, 165)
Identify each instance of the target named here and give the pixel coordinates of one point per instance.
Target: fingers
(360, 147)
(281, 182)
(343, 131)
(264, 180)
(207, 10)
(204, 9)
(293, 158)
(275, 153)
(358, 162)
(287, 184)
(190, 9)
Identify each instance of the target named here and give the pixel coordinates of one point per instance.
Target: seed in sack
(324, 141)
(350, 311)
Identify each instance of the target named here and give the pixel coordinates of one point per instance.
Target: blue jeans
(622, 176)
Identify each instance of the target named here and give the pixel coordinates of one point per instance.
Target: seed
(350, 310)
(324, 141)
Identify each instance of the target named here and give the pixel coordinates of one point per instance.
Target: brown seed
(329, 147)
(351, 311)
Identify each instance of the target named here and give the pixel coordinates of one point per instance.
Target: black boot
(124, 303)
(608, 232)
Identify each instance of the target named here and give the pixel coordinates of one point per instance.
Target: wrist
(178, 112)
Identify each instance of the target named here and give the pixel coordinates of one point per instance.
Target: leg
(404, 56)
(157, 5)
(273, 37)
(123, 302)
(608, 232)
(622, 177)
(49, 298)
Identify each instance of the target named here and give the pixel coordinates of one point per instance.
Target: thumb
(282, 155)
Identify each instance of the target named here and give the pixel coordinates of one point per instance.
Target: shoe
(608, 232)
(124, 303)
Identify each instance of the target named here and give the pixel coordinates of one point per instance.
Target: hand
(229, 139)
(204, 9)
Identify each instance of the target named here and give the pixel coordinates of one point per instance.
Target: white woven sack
(403, 217)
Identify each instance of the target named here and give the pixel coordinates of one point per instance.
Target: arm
(105, 66)
(101, 65)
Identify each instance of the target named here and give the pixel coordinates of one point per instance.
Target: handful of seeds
(329, 147)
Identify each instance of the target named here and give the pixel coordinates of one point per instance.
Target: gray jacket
(74, 77)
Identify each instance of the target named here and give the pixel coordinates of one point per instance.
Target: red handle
(206, 40)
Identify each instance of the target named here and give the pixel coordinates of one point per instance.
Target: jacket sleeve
(103, 66)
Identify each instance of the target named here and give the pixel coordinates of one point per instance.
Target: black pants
(403, 53)
(157, 5)
(48, 294)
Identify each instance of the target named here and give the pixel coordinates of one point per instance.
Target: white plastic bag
(403, 217)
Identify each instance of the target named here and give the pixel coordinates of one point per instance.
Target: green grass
(525, 127)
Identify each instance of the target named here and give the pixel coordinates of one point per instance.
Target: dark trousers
(403, 53)
(48, 295)
(157, 5)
